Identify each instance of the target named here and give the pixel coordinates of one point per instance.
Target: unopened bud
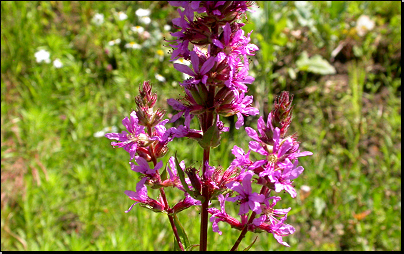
(282, 112)
(145, 97)
(144, 153)
(193, 177)
(160, 149)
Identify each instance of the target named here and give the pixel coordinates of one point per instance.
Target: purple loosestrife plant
(211, 38)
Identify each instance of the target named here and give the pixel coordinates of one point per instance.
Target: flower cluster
(219, 74)
(216, 87)
(274, 172)
(146, 140)
(44, 56)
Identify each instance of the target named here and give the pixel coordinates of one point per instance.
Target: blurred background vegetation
(62, 183)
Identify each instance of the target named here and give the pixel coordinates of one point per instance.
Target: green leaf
(163, 174)
(192, 246)
(249, 246)
(315, 64)
(181, 233)
(211, 138)
(181, 175)
(194, 193)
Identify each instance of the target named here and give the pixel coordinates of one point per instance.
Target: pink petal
(183, 68)
(208, 65)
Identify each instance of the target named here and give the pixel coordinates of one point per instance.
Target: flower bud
(282, 112)
(160, 149)
(144, 153)
(157, 117)
(145, 97)
(187, 202)
(153, 205)
(194, 178)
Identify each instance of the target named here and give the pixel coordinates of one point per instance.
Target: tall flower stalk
(211, 39)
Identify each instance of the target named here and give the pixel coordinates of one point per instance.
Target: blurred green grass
(62, 187)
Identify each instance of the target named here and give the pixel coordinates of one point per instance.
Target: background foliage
(62, 186)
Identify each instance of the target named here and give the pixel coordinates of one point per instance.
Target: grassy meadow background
(62, 185)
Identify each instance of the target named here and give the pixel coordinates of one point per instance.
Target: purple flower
(172, 169)
(199, 74)
(248, 199)
(144, 168)
(265, 130)
(218, 215)
(242, 158)
(243, 105)
(282, 178)
(235, 45)
(159, 132)
(129, 141)
(140, 196)
(269, 214)
(278, 228)
(272, 220)
(223, 12)
(274, 154)
(279, 155)
(240, 77)
(221, 215)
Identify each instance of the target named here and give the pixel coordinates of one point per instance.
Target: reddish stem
(206, 121)
(204, 214)
(170, 217)
(264, 190)
(163, 196)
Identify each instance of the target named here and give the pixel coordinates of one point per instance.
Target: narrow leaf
(249, 246)
(181, 175)
(163, 175)
(181, 233)
(192, 246)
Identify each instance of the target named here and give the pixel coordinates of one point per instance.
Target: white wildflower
(185, 76)
(98, 19)
(167, 27)
(137, 29)
(160, 77)
(305, 188)
(133, 45)
(182, 61)
(122, 15)
(142, 12)
(109, 129)
(42, 56)
(364, 24)
(113, 42)
(145, 20)
(57, 63)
